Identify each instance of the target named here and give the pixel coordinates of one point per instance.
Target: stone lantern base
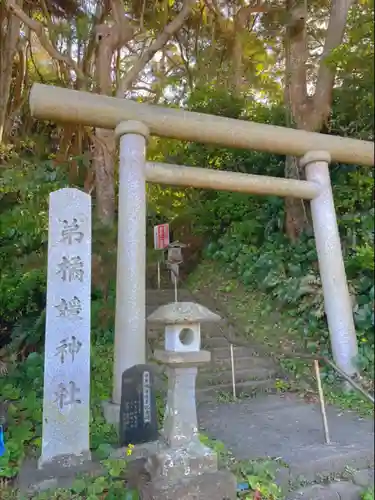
(160, 472)
(219, 485)
(178, 466)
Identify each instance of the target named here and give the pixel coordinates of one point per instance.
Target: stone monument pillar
(181, 467)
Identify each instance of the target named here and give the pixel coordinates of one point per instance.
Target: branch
(144, 89)
(87, 56)
(30, 51)
(111, 38)
(185, 62)
(326, 74)
(45, 42)
(160, 41)
(221, 19)
(242, 15)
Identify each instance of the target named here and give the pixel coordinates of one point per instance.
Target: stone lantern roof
(183, 312)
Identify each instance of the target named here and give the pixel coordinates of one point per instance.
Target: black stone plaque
(138, 415)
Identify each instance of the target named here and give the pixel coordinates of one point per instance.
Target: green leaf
(79, 486)
(104, 450)
(253, 482)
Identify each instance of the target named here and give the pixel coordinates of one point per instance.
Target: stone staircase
(253, 374)
(280, 427)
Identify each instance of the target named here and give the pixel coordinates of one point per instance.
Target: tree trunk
(103, 140)
(296, 220)
(103, 165)
(110, 39)
(303, 111)
(9, 39)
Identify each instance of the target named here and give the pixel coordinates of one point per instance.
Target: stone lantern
(180, 466)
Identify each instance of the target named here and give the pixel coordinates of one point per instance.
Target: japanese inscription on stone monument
(138, 419)
(67, 339)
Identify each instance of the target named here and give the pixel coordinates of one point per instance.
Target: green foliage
(23, 391)
(258, 474)
(225, 458)
(260, 477)
(23, 388)
(288, 273)
(24, 189)
(245, 234)
(368, 494)
(353, 108)
(109, 486)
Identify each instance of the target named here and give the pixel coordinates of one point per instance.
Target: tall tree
(14, 13)
(9, 36)
(309, 110)
(116, 36)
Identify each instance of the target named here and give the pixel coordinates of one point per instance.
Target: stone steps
(160, 297)
(212, 342)
(253, 374)
(211, 378)
(247, 388)
(240, 363)
(219, 353)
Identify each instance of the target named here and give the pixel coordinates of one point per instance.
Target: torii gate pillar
(130, 318)
(337, 301)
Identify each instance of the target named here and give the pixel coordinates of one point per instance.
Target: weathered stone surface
(180, 417)
(182, 337)
(156, 460)
(175, 463)
(31, 479)
(111, 412)
(220, 485)
(346, 490)
(66, 396)
(289, 428)
(364, 478)
(140, 451)
(182, 313)
(314, 492)
(172, 358)
(339, 490)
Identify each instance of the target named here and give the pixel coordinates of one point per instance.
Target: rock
(343, 490)
(314, 492)
(346, 490)
(219, 485)
(363, 478)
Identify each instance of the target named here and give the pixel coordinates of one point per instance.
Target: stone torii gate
(133, 122)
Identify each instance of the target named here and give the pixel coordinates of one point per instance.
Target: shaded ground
(288, 429)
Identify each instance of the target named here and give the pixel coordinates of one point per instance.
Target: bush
(24, 189)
